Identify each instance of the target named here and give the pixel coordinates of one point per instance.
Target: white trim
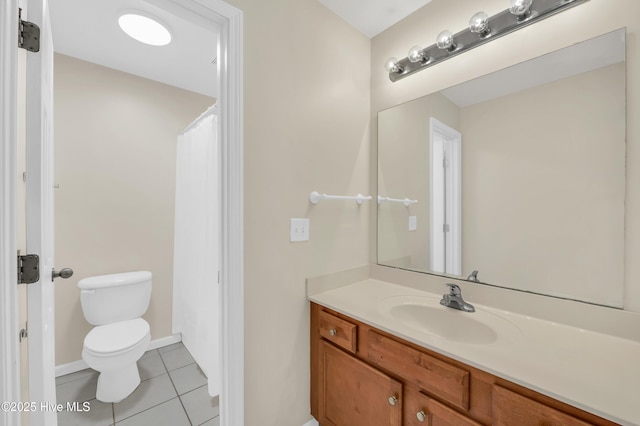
(230, 115)
(71, 367)
(74, 366)
(9, 355)
(164, 341)
(312, 422)
(230, 65)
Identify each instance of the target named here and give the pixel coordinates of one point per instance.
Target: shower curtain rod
(213, 109)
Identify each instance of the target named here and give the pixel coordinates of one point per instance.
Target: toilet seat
(111, 339)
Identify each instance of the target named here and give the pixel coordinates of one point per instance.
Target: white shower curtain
(196, 293)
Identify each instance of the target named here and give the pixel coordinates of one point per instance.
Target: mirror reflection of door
(445, 198)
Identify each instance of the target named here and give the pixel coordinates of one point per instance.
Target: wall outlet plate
(299, 230)
(413, 223)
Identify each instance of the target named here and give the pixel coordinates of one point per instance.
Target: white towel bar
(315, 197)
(407, 202)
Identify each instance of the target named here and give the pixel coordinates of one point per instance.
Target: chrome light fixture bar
(481, 30)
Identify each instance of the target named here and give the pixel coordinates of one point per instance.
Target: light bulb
(445, 40)
(416, 54)
(479, 23)
(520, 8)
(392, 65)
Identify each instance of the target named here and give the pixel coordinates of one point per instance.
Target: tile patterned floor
(173, 392)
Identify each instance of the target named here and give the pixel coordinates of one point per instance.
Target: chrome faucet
(473, 276)
(454, 299)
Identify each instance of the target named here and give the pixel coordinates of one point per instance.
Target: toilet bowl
(114, 304)
(113, 350)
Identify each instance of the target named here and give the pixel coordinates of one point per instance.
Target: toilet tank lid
(112, 280)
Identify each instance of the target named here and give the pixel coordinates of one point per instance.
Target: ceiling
(371, 17)
(88, 30)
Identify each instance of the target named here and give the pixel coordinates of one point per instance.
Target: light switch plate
(413, 223)
(299, 230)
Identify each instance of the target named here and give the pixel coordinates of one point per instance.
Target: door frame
(230, 108)
(230, 71)
(453, 239)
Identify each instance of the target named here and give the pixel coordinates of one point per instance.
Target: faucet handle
(454, 290)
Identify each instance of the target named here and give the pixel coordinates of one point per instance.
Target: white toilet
(114, 304)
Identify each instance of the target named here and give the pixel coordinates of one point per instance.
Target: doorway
(445, 189)
(230, 66)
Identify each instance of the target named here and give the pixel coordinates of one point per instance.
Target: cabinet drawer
(420, 410)
(447, 381)
(339, 331)
(510, 408)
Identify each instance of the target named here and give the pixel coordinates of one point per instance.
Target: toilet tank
(106, 299)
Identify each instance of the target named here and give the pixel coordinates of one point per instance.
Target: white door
(9, 354)
(39, 221)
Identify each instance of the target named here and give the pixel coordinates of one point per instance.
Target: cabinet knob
(421, 416)
(393, 400)
(333, 332)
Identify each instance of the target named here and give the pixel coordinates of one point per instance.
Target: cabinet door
(510, 408)
(353, 393)
(420, 410)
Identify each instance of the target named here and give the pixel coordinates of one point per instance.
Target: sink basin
(426, 315)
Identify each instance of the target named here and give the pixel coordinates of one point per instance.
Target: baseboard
(74, 366)
(312, 422)
(165, 341)
(71, 367)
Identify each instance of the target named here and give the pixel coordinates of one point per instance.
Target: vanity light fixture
(479, 24)
(416, 54)
(392, 66)
(445, 41)
(482, 28)
(520, 8)
(144, 28)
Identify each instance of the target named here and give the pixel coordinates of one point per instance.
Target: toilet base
(116, 385)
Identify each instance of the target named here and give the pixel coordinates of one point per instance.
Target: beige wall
(543, 188)
(577, 24)
(306, 94)
(115, 166)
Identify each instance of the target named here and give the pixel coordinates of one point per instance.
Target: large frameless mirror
(515, 179)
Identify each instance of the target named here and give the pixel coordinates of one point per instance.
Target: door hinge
(28, 34)
(445, 227)
(24, 333)
(28, 268)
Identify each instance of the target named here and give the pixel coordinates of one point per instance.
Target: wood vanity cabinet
(362, 376)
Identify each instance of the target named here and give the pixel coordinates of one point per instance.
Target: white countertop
(592, 371)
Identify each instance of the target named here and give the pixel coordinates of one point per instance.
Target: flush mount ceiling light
(144, 28)
(482, 29)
